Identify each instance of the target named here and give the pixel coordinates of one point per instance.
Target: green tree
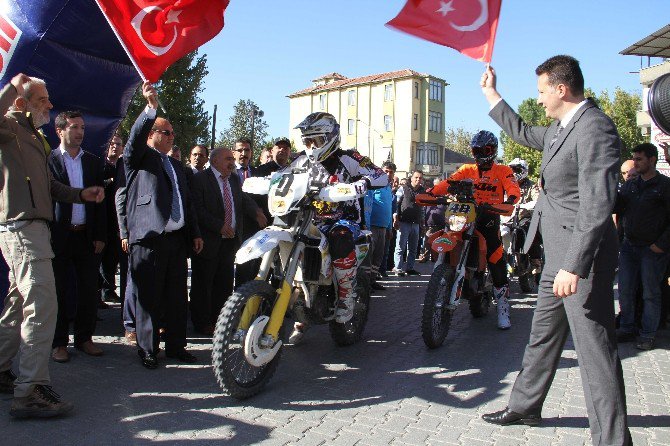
(622, 109)
(532, 114)
(179, 89)
(241, 127)
(458, 140)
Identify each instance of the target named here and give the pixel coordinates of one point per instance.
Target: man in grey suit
(221, 207)
(578, 177)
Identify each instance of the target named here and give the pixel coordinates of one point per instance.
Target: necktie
(227, 203)
(175, 213)
(246, 174)
(556, 135)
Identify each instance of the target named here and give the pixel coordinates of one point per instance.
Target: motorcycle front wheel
(351, 332)
(436, 317)
(237, 377)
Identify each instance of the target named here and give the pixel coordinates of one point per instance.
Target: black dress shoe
(377, 286)
(506, 417)
(149, 360)
(181, 356)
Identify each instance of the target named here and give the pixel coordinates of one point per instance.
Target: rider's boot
(345, 273)
(502, 296)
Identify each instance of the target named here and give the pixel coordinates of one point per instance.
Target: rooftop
(657, 44)
(340, 81)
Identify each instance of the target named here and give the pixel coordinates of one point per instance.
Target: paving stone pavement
(388, 389)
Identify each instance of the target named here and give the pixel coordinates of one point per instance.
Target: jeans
(407, 241)
(640, 263)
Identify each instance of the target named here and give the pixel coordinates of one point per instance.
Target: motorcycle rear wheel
(352, 331)
(234, 374)
(435, 322)
(527, 282)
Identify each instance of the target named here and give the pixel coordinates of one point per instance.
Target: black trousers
(211, 283)
(77, 261)
(489, 227)
(112, 257)
(158, 271)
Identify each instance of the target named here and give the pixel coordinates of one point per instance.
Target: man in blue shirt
(380, 223)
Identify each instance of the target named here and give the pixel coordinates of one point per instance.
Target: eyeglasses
(164, 132)
(242, 150)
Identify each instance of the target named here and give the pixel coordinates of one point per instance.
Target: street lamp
(255, 111)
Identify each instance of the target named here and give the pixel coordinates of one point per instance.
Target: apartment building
(396, 116)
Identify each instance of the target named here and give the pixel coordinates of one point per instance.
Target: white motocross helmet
(520, 168)
(320, 135)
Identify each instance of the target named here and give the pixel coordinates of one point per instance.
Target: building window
(387, 123)
(351, 126)
(352, 97)
(322, 101)
(435, 90)
(416, 90)
(435, 122)
(416, 121)
(427, 154)
(388, 92)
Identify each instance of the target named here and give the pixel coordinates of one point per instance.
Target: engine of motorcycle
(320, 309)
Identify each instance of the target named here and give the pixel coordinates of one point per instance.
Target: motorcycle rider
(530, 192)
(493, 182)
(340, 222)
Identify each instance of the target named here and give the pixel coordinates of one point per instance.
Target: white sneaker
(297, 334)
(345, 310)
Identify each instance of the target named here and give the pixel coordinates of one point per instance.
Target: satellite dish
(658, 103)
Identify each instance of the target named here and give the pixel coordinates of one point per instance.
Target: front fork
(281, 303)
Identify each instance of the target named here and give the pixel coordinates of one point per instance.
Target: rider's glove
(361, 186)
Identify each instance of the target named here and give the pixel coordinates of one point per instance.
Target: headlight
(457, 222)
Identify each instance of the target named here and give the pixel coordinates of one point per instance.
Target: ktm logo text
(486, 187)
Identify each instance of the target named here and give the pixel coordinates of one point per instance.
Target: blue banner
(70, 45)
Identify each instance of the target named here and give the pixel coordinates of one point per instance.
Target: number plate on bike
(466, 209)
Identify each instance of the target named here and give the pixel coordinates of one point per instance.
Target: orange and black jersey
(491, 186)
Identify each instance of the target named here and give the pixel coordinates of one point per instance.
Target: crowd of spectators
(81, 219)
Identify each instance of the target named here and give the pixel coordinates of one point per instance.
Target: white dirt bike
(295, 275)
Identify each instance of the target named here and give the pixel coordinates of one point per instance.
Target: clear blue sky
(269, 49)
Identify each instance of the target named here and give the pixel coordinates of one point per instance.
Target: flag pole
(125, 48)
(211, 146)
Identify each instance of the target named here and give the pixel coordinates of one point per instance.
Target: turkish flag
(155, 33)
(468, 26)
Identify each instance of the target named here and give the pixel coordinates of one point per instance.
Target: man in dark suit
(161, 227)
(220, 205)
(112, 254)
(578, 177)
(242, 153)
(78, 236)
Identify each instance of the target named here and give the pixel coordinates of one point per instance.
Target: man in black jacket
(78, 236)
(407, 220)
(644, 204)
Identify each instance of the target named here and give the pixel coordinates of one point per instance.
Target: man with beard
(28, 319)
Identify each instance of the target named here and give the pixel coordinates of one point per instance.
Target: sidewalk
(388, 389)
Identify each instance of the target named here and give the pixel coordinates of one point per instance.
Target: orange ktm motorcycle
(460, 270)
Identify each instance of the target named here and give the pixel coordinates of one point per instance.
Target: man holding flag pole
(578, 178)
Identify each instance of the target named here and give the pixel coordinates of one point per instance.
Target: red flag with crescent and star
(156, 33)
(468, 26)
